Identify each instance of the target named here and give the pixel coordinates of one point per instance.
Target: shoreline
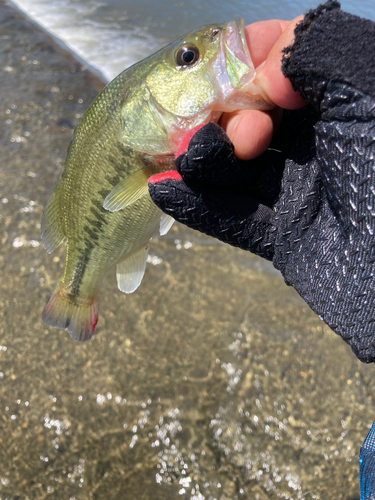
(60, 47)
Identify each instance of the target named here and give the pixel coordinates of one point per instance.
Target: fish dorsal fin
(52, 233)
(130, 271)
(129, 190)
(143, 126)
(166, 222)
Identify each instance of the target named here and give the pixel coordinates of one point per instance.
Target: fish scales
(101, 206)
(111, 162)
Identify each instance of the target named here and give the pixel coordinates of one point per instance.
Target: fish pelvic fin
(130, 271)
(52, 233)
(78, 315)
(166, 222)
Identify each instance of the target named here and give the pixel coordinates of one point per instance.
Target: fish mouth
(232, 69)
(237, 81)
(235, 40)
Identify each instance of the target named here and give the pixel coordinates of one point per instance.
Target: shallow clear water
(214, 381)
(113, 34)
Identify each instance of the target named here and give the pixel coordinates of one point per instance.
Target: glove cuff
(331, 45)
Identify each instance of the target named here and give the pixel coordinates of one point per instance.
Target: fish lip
(243, 93)
(234, 37)
(241, 31)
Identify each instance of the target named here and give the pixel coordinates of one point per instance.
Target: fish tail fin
(78, 315)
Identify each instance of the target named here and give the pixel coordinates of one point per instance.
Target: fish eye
(187, 55)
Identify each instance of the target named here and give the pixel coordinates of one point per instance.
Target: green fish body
(101, 206)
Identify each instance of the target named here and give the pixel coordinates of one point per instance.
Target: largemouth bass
(101, 206)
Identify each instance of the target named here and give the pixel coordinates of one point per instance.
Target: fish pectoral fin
(166, 222)
(128, 191)
(130, 271)
(52, 233)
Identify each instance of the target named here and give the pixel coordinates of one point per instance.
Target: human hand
(307, 201)
(243, 135)
(251, 131)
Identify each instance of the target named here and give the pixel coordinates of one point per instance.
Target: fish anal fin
(130, 271)
(128, 191)
(166, 222)
(52, 233)
(79, 316)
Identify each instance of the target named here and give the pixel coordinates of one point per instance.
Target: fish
(101, 207)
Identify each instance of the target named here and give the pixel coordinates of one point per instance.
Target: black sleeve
(331, 45)
(330, 258)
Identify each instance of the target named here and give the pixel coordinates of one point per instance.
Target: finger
(209, 158)
(235, 219)
(270, 78)
(261, 37)
(250, 131)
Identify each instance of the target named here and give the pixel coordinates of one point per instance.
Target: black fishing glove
(308, 202)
